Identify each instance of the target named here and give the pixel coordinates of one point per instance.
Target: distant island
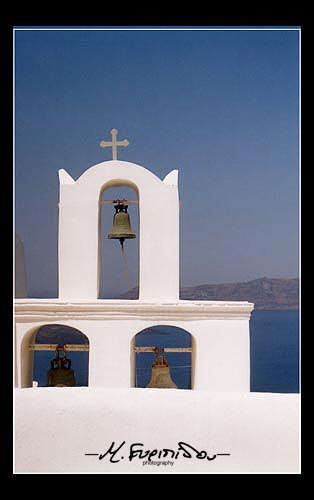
(266, 293)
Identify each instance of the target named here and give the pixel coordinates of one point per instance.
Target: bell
(121, 229)
(161, 376)
(60, 373)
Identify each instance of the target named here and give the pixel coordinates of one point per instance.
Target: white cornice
(32, 310)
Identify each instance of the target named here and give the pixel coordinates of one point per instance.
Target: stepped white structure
(69, 429)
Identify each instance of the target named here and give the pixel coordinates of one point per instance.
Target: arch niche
(79, 230)
(182, 364)
(118, 273)
(35, 364)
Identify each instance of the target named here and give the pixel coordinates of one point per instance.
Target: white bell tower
(219, 330)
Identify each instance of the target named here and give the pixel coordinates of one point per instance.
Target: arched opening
(119, 267)
(178, 345)
(36, 361)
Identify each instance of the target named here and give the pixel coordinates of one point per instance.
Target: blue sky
(220, 106)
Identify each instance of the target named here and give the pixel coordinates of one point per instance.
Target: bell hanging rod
(120, 202)
(164, 349)
(54, 347)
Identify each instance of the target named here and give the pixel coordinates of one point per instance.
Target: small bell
(60, 373)
(121, 228)
(161, 376)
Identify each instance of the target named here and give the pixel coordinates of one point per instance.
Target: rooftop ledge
(108, 309)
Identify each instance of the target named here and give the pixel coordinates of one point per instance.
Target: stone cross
(114, 143)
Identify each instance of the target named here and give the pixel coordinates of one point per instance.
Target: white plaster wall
(221, 358)
(223, 355)
(55, 427)
(79, 230)
(24, 336)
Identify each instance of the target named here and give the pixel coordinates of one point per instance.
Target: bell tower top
(80, 238)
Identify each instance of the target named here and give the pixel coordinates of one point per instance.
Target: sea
(274, 351)
(274, 354)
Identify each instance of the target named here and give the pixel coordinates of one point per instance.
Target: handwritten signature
(137, 451)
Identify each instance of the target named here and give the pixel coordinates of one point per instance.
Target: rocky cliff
(266, 293)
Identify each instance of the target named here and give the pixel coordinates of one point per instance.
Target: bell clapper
(121, 243)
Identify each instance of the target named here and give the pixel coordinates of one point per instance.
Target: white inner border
(164, 29)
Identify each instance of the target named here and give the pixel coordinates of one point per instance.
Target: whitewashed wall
(55, 427)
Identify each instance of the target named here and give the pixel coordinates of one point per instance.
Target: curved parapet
(115, 169)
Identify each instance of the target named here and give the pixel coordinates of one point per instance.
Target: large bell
(161, 376)
(121, 229)
(60, 373)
